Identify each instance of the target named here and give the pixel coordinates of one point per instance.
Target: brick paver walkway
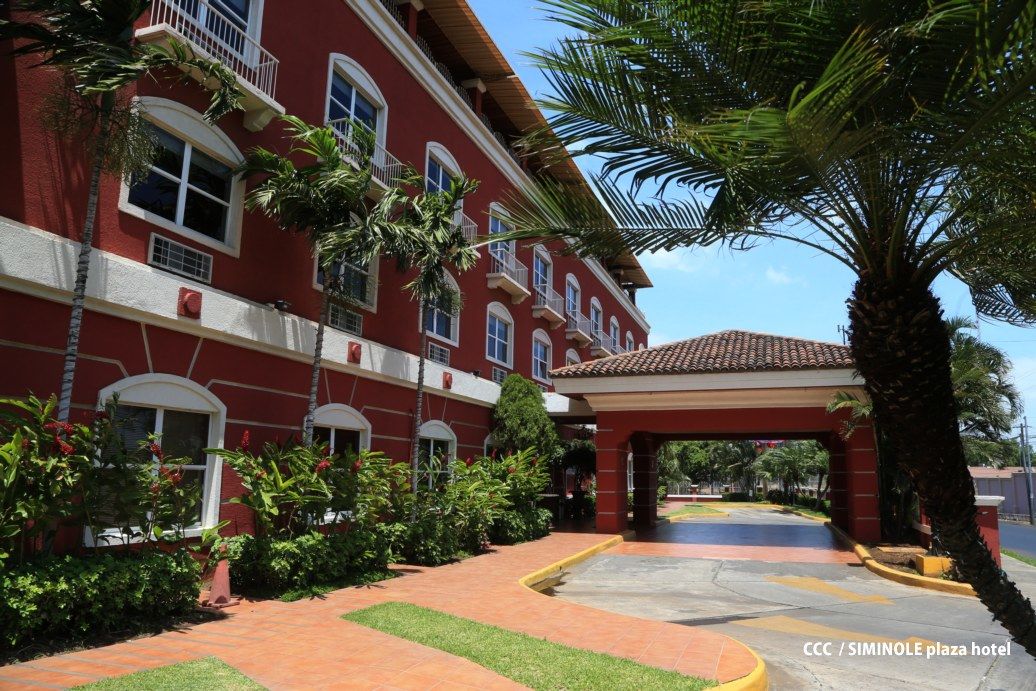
(307, 645)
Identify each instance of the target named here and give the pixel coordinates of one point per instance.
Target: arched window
(489, 445)
(437, 449)
(613, 332)
(190, 188)
(542, 356)
(572, 357)
(596, 317)
(542, 268)
(500, 250)
(572, 294)
(440, 168)
(189, 419)
(629, 341)
(640, 346)
(341, 427)
(354, 100)
(499, 335)
(442, 321)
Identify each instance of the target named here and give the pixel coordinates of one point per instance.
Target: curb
(918, 581)
(756, 680)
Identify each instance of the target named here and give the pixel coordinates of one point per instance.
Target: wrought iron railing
(203, 25)
(503, 261)
(385, 167)
(547, 297)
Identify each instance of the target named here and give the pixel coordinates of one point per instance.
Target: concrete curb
(756, 680)
(918, 581)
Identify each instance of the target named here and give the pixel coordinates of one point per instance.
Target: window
(341, 427)
(541, 268)
(344, 319)
(346, 106)
(572, 357)
(356, 282)
(499, 375)
(541, 356)
(339, 440)
(188, 418)
(500, 250)
(596, 317)
(613, 332)
(571, 295)
(186, 187)
(629, 341)
(438, 177)
(499, 334)
(437, 446)
(440, 169)
(226, 20)
(439, 354)
(441, 320)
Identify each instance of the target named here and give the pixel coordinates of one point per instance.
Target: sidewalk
(307, 645)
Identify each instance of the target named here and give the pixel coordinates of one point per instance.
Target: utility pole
(844, 332)
(1027, 465)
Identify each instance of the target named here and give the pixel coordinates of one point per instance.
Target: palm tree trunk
(902, 350)
(314, 379)
(75, 322)
(415, 443)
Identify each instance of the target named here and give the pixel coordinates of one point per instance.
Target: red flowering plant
(362, 487)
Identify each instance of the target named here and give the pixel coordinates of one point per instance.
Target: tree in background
(895, 138)
(520, 419)
(92, 48)
(793, 463)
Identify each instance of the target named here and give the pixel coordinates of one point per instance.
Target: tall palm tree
(323, 199)
(987, 401)
(895, 137)
(91, 46)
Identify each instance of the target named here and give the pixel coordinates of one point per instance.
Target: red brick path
(307, 645)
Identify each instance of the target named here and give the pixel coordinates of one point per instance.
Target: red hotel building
(180, 318)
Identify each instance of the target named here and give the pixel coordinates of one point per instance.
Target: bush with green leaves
(736, 496)
(70, 598)
(524, 475)
(520, 419)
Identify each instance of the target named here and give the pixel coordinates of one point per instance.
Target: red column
(861, 466)
(611, 482)
(987, 517)
(645, 480)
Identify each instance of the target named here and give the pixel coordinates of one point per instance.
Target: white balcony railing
(577, 326)
(200, 23)
(503, 262)
(385, 167)
(546, 298)
(469, 227)
(601, 344)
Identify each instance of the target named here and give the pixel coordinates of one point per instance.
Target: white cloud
(681, 259)
(781, 277)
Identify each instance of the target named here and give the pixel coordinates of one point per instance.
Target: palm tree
(987, 401)
(893, 137)
(90, 44)
(325, 200)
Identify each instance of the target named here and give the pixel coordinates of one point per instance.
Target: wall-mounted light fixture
(281, 305)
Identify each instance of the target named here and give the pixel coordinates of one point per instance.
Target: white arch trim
(443, 155)
(342, 416)
(360, 79)
(157, 390)
(571, 355)
(437, 429)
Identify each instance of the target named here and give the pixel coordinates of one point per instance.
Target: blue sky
(778, 288)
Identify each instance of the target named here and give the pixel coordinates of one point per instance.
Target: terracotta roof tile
(726, 351)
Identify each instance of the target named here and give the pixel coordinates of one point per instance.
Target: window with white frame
(499, 334)
(613, 332)
(629, 341)
(348, 107)
(437, 447)
(342, 428)
(440, 170)
(189, 189)
(571, 294)
(185, 186)
(572, 357)
(596, 316)
(356, 282)
(228, 21)
(541, 356)
(542, 268)
(500, 250)
(187, 419)
(438, 176)
(440, 318)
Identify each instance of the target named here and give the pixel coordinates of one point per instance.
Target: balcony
(385, 168)
(508, 274)
(577, 328)
(549, 305)
(601, 345)
(211, 34)
(470, 229)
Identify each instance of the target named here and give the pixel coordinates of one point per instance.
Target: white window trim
(441, 154)
(614, 330)
(371, 306)
(629, 343)
(341, 416)
(189, 125)
(365, 84)
(440, 431)
(570, 279)
(170, 392)
(497, 212)
(454, 339)
(571, 354)
(500, 312)
(541, 336)
(539, 251)
(595, 303)
(487, 444)
(640, 346)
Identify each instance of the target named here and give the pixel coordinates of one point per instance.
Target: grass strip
(694, 510)
(206, 673)
(1019, 556)
(534, 662)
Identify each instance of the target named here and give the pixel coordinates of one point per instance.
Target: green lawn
(810, 511)
(206, 673)
(693, 510)
(534, 662)
(1020, 557)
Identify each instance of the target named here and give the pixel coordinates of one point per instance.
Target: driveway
(778, 582)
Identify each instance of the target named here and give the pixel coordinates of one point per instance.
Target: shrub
(521, 525)
(520, 419)
(736, 496)
(68, 598)
(663, 492)
(524, 477)
(779, 496)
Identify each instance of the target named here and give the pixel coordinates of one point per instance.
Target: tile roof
(726, 351)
